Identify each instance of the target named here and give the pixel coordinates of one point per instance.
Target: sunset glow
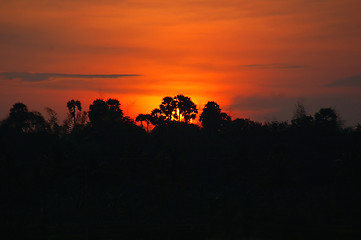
(256, 59)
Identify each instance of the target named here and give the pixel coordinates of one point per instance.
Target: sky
(256, 58)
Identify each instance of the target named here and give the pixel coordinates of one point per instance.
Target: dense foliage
(107, 178)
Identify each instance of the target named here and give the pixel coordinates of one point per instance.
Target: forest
(101, 175)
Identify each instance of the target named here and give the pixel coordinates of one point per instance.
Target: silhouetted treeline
(98, 175)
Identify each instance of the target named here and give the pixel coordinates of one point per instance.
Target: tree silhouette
(18, 109)
(299, 112)
(327, 118)
(167, 108)
(97, 111)
(21, 120)
(157, 118)
(244, 125)
(300, 119)
(147, 118)
(114, 109)
(212, 118)
(140, 118)
(186, 110)
(72, 106)
(179, 108)
(19, 115)
(105, 112)
(52, 120)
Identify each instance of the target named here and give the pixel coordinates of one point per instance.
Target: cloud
(40, 77)
(353, 81)
(271, 66)
(83, 85)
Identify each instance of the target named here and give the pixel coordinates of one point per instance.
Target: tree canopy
(178, 108)
(22, 120)
(212, 118)
(105, 112)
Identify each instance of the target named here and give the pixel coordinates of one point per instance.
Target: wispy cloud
(353, 81)
(271, 66)
(40, 77)
(104, 87)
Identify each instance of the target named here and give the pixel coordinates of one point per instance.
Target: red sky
(256, 58)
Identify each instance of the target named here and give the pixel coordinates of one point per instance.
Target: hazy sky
(256, 58)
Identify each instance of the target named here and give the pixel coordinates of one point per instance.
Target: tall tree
(212, 118)
(157, 118)
(140, 118)
(300, 119)
(19, 116)
(299, 112)
(23, 121)
(147, 118)
(167, 108)
(105, 112)
(186, 110)
(52, 120)
(179, 108)
(72, 106)
(327, 118)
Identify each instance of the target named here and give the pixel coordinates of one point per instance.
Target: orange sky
(256, 58)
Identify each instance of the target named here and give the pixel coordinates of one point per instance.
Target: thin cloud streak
(127, 88)
(271, 66)
(39, 77)
(353, 81)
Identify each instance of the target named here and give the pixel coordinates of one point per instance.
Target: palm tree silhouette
(72, 106)
(144, 118)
